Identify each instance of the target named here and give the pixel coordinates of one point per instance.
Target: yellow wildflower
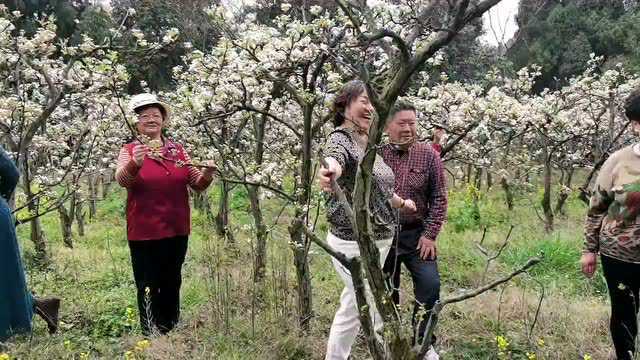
(84, 356)
(531, 356)
(129, 355)
(144, 344)
(68, 345)
(540, 342)
(130, 317)
(503, 344)
(586, 357)
(4, 356)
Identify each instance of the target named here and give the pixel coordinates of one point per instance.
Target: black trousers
(424, 273)
(623, 281)
(157, 270)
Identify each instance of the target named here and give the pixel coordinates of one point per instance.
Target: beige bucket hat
(140, 100)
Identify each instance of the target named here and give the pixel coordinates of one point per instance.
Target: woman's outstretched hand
(325, 175)
(589, 263)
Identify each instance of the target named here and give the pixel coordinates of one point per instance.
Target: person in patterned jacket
(420, 184)
(612, 230)
(343, 152)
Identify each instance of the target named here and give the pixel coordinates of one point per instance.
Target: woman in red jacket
(157, 176)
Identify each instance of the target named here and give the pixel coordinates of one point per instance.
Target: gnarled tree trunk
(303, 276)
(563, 195)
(37, 235)
(202, 203)
(77, 210)
(508, 193)
(298, 237)
(260, 256)
(107, 180)
(260, 261)
(93, 196)
(65, 225)
(546, 196)
(222, 218)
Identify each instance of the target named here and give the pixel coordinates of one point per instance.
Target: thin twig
(440, 304)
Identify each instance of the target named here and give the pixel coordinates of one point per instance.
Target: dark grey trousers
(424, 273)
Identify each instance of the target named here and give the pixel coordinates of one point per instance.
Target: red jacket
(157, 194)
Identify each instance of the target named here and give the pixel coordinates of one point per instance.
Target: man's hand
(589, 263)
(427, 248)
(139, 152)
(409, 207)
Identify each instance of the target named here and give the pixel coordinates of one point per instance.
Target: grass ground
(226, 316)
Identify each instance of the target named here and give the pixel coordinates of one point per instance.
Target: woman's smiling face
(150, 121)
(360, 111)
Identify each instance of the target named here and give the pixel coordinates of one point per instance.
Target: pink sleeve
(127, 169)
(196, 180)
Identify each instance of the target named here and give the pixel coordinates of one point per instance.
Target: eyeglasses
(146, 117)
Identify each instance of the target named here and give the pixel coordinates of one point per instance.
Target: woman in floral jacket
(612, 229)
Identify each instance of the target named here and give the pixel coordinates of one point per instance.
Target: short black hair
(399, 106)
(632, 105)
(142, 108)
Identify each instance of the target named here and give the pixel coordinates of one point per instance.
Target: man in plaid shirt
(419, 177)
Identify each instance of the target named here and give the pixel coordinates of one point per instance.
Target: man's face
(402, 127)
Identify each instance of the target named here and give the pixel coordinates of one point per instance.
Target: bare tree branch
(439, 306)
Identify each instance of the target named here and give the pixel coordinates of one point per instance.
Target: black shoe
(48, 309)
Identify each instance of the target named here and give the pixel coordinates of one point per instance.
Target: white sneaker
(431, 354)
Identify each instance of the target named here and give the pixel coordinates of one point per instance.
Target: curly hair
(349, 92)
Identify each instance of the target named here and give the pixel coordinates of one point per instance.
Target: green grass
(226, 316)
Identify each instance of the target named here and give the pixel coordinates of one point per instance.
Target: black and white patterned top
(341, 145)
